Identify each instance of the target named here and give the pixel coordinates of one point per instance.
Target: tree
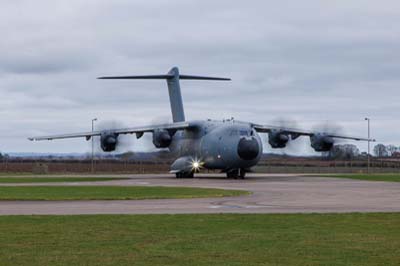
(4, 156)
(391, 149)
(344, 151)
(380, 150)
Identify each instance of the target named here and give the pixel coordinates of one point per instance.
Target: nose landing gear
(236, 173)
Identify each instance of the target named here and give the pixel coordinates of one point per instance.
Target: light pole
(93, 120)
(368, 163)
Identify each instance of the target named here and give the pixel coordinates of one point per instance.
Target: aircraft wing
(299, 132)
(138, 130)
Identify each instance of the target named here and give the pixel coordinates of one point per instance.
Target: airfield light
(368, 163)
(93, 120)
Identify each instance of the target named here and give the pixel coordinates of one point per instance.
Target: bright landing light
(196, 165)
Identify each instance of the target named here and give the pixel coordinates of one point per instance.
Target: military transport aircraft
(229, 145)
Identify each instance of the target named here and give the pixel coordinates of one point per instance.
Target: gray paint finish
(175, 96)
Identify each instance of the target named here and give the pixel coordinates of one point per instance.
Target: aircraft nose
(248, 149)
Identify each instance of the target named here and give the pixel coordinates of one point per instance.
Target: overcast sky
(304, 61)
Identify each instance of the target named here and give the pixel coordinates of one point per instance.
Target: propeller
(148, 145)
(124, 142)
(291, 146)
(330, 127)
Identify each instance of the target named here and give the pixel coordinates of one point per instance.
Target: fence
(266, 165)
(315, 165)
(82, 166)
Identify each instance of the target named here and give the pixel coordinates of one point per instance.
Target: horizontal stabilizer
(173, 78)
(201, 77)
(167, 76)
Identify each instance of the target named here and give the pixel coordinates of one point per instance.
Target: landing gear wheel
(189, 175)
(242, 173)
(184, 175)
(234, 173)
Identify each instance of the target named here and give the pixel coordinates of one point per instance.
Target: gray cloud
(310, 61)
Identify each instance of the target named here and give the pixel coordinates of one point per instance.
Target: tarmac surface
(271, 193)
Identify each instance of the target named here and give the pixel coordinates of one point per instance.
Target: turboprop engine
(161, 138)
(277, 139)
(321, 142)
(108, 141)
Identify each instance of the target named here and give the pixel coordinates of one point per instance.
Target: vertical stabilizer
(175, 96)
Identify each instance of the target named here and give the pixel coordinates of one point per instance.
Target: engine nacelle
(277, 139)
(108, 141)
(161, 138)
(320, 142)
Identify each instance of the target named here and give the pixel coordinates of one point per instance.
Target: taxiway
(271, 193)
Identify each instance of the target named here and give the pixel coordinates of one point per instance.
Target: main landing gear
(232, 173)
(236, 173)
(185, 174)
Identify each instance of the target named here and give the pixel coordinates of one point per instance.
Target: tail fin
(174, 89)
(175, 96)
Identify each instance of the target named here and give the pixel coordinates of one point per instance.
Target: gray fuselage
(222, 145)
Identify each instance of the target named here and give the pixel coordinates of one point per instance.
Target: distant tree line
(3, 156)
(381, 150)
(350, 151)
(344, 152)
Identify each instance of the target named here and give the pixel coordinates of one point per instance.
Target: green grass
(54, 179)
(222, 239)
(110, 192)
(368, 177)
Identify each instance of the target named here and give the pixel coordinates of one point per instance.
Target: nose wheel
(236, 173)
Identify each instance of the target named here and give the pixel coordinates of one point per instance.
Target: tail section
(174, 89)
(175, 96)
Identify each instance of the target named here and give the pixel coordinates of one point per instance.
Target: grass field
(109, 192)
(368, 177)
(54, 179)
(221, 239)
